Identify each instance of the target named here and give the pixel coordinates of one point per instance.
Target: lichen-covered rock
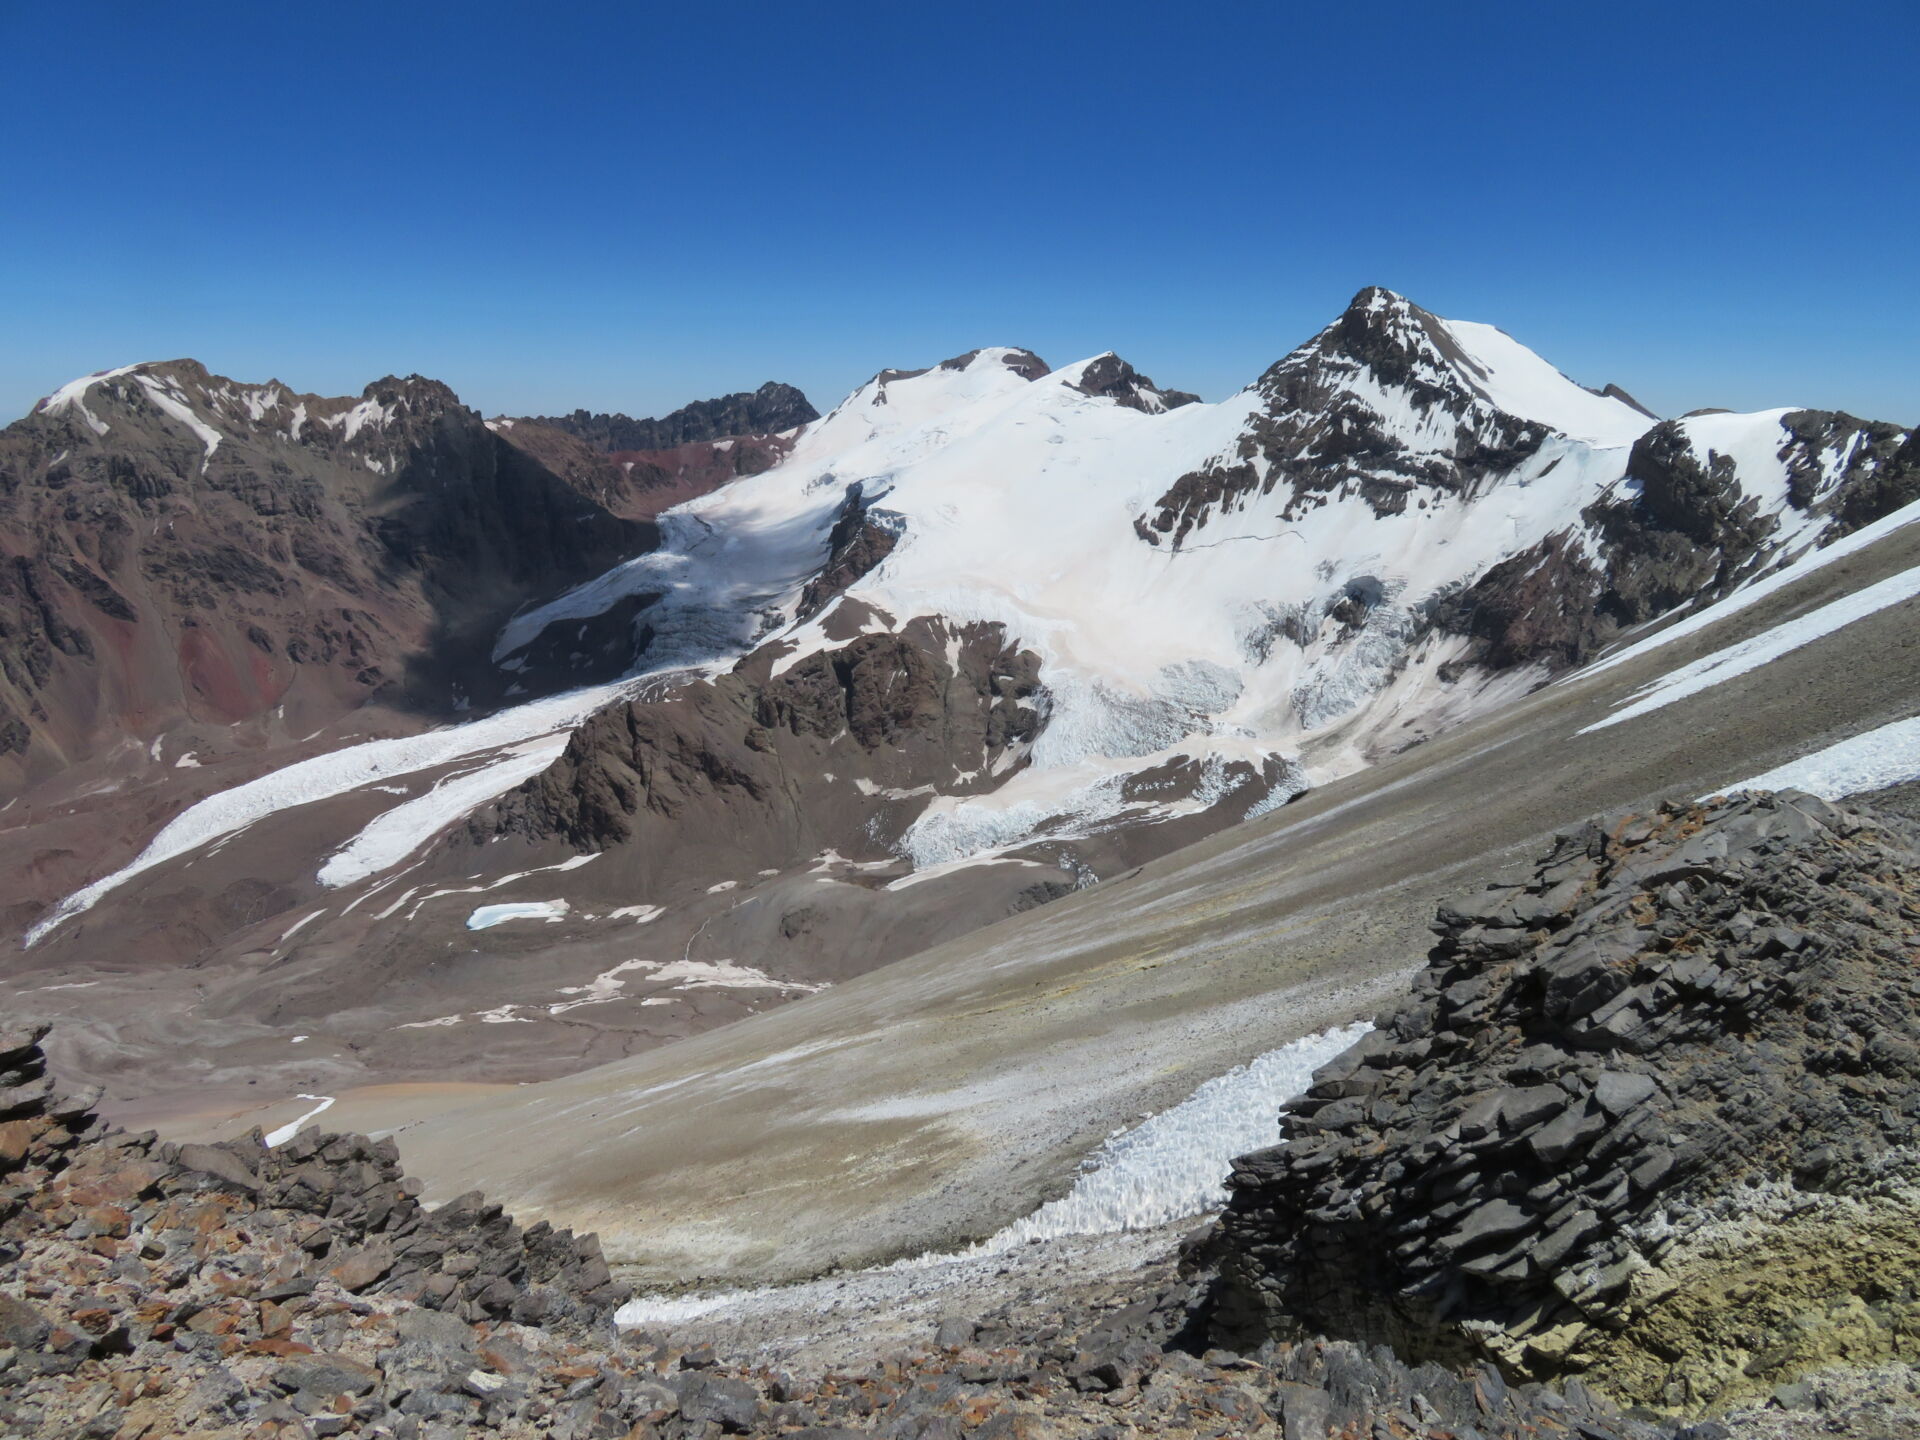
(1649, 1114)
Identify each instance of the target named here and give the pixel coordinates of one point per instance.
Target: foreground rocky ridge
(1649, 1115)
(148, 1289)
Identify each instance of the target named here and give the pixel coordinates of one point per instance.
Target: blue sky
(635, 205)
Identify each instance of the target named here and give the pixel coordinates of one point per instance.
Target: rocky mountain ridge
(772, 408)
(181, 549)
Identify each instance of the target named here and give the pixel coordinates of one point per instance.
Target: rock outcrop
(767, 411)
(1650, 1115)
(778, 767)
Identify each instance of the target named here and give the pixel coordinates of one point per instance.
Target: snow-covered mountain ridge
(986, 633)
(1403, 522)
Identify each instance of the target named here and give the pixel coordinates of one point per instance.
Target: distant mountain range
(750, 701)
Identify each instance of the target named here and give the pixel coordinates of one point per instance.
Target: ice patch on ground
(487, 916)
(1872, 760)
(1175, 1164)
(1168, 1167)
(325, 776)
(395, 835)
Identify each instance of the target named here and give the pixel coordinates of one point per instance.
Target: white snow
(395, 835)
(1766, 647)
(326, 776)
(605, 986)
(292, 1128)
(299, 925)
(1169, 1167)
(639, 914)
(487, 916)
(1521, 383)
(717, 975)
(1873, 760)
(73, 395)
(165, 394)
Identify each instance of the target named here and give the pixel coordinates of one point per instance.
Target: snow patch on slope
(1762, 649)
(1519, 382)
(1873, 760)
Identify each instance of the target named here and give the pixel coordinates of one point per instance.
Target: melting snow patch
(1174, 1165)
(721, 974)
(488, 916)
(394, 836)
(639, 914)
(1873, 760)
(292, 1128)
(324, 776)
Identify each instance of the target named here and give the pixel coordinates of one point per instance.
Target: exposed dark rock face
(1112, 378)
(1649, 1114)
(770, 409)
(1682, 530)
(175, 546)
(750, 760)
(1317, 436)
(1537, 607)
(862, 536)
(1854, 470)
(1614, 392)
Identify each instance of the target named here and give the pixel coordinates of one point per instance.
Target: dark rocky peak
(415, 394)
(1111, 378)
(1854, 470)
(773, 408)
(1402, 346)
(1353, 412)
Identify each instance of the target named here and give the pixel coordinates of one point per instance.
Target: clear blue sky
(628, 206)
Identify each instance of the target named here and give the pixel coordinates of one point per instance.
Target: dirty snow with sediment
(1171, 1166)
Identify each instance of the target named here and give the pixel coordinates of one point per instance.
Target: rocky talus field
(1637, 1149)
